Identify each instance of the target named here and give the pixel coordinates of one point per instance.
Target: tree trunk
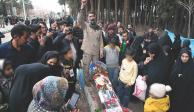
(135, 12)
(126, 12)
(116, 10)
(108, 11)
(102, 10)
(177, 20)
(189, 26)
(92, 5)
(98, 12)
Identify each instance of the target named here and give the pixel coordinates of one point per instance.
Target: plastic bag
(140, 88)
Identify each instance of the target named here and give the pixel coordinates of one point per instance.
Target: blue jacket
(25, 56)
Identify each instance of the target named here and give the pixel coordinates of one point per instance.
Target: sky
(50, 5)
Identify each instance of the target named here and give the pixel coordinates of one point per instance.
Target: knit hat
(159, 90)
(186, 43)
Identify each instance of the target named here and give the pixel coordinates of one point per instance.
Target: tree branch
(186, 6)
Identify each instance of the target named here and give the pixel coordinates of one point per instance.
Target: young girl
(127, 76)
(158, 101)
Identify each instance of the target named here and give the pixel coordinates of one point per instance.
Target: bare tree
(190, 8)
(116, 10)
(126, 12)
(98, 12)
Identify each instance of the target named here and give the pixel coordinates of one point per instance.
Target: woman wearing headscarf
(51, 58)
(25, 77)
(49, 95)
(182, 83)
(154, 68)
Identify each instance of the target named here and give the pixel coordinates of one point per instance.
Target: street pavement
(6, 32)
(7, 37)
(6, 29)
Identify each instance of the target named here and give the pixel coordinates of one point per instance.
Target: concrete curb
(92, 98)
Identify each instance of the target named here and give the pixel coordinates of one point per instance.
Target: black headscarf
(136, 45)
(182, 83)
(154, 48)
(54, 69)
(186, 44)
(179, 65)
(48, 55)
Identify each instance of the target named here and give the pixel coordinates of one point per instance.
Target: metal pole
(24, 9)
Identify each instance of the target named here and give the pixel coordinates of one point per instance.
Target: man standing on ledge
(92, 45)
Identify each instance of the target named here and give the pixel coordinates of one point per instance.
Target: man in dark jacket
(18, 51)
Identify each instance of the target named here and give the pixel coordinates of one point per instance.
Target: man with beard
(92, 45)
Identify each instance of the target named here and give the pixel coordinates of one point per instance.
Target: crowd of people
(38, 65)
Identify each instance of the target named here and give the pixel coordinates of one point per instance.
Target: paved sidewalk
(6, 29)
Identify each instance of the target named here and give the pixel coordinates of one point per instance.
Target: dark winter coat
(25, 77)
(60, 42)
(25, 56)
(156, 70)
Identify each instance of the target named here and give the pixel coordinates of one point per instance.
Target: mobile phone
(73, 101)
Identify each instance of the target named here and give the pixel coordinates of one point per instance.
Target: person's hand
(147, 60)
(83, 3)
(41, 40)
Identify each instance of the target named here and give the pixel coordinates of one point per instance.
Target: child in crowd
(111, 53)
(127, 76)
(68, 73)
(158, 101)
(6, 79)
